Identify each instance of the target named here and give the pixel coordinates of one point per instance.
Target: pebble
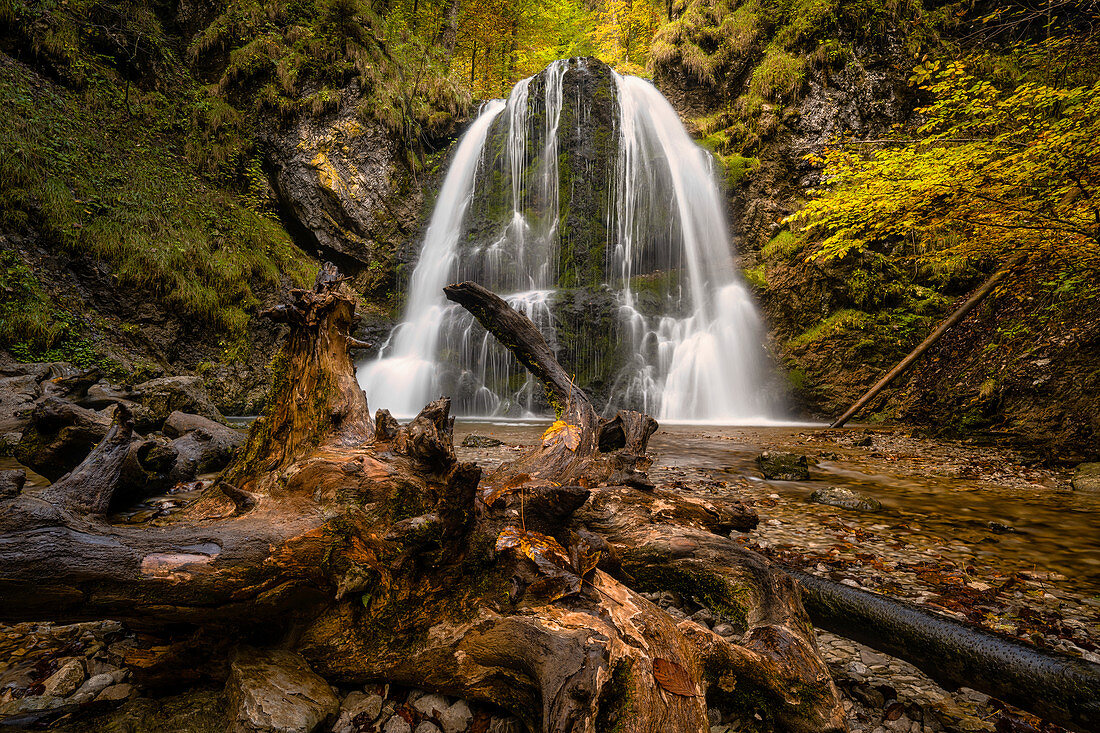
(396, 724)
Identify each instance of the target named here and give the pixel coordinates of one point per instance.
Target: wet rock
(357, 708)
(1087, 478)
(845, 499)
(397, 724)
(165, 395)
(65, 680)
(96, 684)
(430, 705)
(59, 436)
(203, 445)
(116, 693)
(999, 528)
(17, 396)
(275, 690)
(11, 482)
(778, 466)
(480, 441)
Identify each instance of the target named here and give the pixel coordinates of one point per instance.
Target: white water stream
(698, 357)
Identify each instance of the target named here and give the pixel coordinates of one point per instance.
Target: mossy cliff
(166, 169)
(769, 84)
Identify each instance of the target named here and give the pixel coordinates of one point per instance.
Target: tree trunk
(369, 548)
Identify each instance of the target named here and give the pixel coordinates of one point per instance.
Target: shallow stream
(975, 498)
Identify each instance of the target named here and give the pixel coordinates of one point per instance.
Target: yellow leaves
(563, 571)
(562, 432)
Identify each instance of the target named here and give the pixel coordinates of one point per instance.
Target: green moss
(737, 169)
(782, 247)
(836, 323)
(614, 707)
(756, 277)
(657, 571)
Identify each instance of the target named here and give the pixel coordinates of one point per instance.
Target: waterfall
(583, 201)
(404, 372)
(708, 363)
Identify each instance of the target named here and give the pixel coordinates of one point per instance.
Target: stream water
(1048, 529)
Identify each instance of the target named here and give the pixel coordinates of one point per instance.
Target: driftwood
(977, 297)
(1060, 688)
(370, 549)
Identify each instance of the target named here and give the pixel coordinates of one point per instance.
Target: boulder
(275, 690)
(17, 396)
(162, 396)
(1087, 478)
(203, 445)
(845, 499)
(59, 436)
(778, 466)
(11, 482)
(66, 680)
(480, 441)
(456, 718)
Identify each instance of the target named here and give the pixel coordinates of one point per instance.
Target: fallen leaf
(548, 555)
(673, 678)
(562, 431)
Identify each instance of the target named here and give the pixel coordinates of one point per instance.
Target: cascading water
(706, 364)
(585, 203)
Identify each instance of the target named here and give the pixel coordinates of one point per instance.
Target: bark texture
(367, 547)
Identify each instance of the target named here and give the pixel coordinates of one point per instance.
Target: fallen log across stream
(367, 548)
(1058, 687)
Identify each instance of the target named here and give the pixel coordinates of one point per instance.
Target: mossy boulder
(777, 466)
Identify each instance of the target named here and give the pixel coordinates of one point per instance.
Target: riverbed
(976, 532)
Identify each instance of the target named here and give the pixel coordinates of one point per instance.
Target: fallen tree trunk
(948, 323)
(1060, 688)
(370, 549)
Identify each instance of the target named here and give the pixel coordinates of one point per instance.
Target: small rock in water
(845, 499)
(998, 528)
(783, 466)
(480, 441)
(1087, 477)
(431, 704)
(396, 724)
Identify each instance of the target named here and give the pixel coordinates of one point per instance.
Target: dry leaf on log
(673, 678)
(561, 431)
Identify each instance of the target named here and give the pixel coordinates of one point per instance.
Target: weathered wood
(373, 548)
(960, 313)
(1060, 688)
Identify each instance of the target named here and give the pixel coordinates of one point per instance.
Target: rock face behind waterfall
(587, 145)
(592, 211)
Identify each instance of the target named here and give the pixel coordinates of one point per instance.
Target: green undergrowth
(94, 180)
(34, 327)
(755, 56)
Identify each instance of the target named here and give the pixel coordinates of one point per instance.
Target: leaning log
(367, 547)
(960, 313)
(1060, 688)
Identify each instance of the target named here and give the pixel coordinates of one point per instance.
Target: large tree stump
(370, 549)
